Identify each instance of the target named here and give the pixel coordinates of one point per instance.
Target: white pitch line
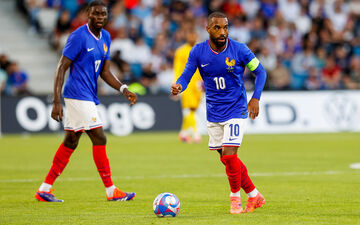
(269, 174)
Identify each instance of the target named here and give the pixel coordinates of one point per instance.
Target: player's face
(218, 31)
(98, 16)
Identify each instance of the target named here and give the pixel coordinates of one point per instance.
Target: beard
(218, 43)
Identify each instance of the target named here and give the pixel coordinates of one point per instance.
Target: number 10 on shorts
(234, 130)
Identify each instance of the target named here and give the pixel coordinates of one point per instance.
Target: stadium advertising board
(32, 114)
(280, 112)
(305, 112)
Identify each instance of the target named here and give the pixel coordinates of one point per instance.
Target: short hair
(216, 15)
(95, 3)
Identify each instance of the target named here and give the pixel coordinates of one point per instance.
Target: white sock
(253, 193)
(45, 187)
(236, 194)
(110, 191)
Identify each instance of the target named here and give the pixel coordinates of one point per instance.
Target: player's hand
(253, 108)
(176, 89)
(130, 96)
(57, 112)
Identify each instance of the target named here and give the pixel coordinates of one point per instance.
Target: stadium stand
(304, 45)
(30, 52)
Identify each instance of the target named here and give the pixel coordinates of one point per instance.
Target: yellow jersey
(191, 97)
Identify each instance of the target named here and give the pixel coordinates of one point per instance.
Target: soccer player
(190, 99)
(87, 55)
(221, 62)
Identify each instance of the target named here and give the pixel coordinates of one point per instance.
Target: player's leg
(61, 159)
(101, 160)
(233, 135)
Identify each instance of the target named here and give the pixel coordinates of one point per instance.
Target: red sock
(233, 171)
(60, 160)
(102, 164)
(246, 182)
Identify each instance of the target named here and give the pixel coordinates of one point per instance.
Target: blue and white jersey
(88, 54)
(222, 73)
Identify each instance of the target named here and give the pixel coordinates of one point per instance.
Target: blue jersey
(222, 73)
(88, 54)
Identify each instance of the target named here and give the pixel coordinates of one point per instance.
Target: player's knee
(70, 143)
(99, 139)
(71, 140)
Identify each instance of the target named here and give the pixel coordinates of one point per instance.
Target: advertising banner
(280, 112)
(32, 114)
(304, 112)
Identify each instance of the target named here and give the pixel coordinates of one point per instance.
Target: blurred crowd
(13, 80)
(303, 45)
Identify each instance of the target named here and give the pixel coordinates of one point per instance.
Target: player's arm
(63, 66)
(260, 77)
(110, 79)
(183, 81)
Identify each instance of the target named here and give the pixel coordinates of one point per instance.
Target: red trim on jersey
(87, 25)
(215, 52)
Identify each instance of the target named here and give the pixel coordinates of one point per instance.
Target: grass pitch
(305, 178)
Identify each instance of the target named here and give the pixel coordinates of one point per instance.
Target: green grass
(291, 171)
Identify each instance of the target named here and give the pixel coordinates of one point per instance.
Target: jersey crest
(230, 64)
(105, 48)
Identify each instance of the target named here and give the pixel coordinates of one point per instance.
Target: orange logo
(105, 49)
(230, 64)
(94, 119)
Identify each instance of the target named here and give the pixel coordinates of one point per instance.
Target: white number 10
(220, 82)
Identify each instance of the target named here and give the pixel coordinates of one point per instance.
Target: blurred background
(306, 46)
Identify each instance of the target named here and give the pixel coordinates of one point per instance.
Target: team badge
(230, 64)
(105, 48)
(94, 119)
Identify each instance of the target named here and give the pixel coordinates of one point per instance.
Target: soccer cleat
(236, 207)
(46, 196)
(121, 196)
(254, 203)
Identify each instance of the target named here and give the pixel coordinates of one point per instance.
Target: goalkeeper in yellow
(190, 99)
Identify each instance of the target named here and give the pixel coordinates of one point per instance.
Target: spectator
(314, 81)
(352, 74)
(4, 61)
(17, 80)
(331, 74)
(62, 30)
(300, 65)
(279, 77)
(290, 9)
(251, 8)
(233, 9)
(80, 18)
(267, 59)
(3, 80)
(239, 30)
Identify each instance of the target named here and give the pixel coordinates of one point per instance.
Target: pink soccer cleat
(236, 207)
(254, 203)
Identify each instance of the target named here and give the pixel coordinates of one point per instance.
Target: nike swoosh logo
(231, 139)
(90, 49)
(203, 65)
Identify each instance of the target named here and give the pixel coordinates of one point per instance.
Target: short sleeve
(73, 46)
